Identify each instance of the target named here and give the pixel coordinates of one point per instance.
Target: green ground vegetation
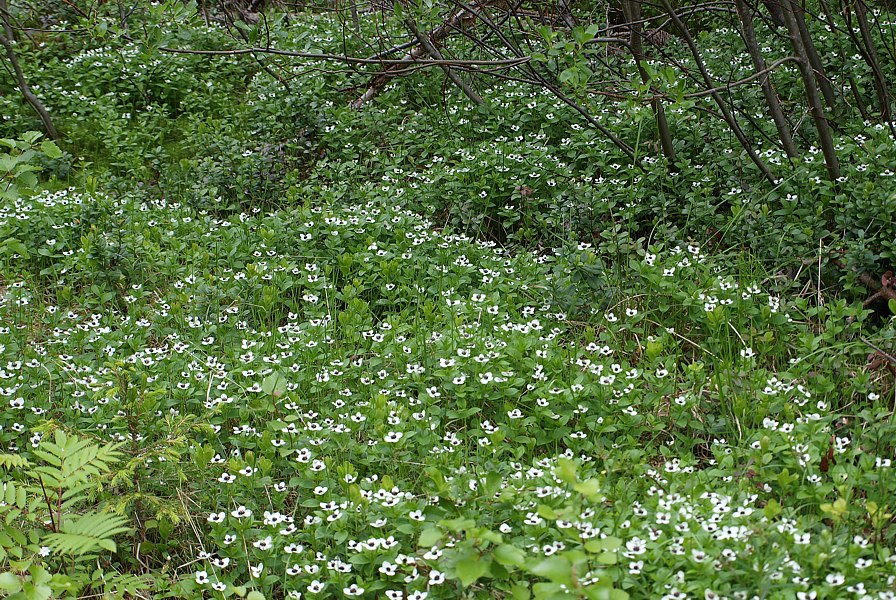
(257, 344)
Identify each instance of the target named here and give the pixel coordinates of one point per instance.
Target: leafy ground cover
(276, 348)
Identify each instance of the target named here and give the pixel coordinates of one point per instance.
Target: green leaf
(554, 568)
(14, 245)
(458, 524)
(550, 591)
(274, 384)
(255, 595)
(10, 583)
(892, 304)
(612, 543)
(566, 470)
(772, 509)
(50, 148)
(568, 74)
(470, 568)
(520, 591)
(589, 488)
(429, 537)
(493, 483)
(32, 136)
(508, 555)
(88, 534)
(36, 592)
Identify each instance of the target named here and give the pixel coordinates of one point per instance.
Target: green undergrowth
(341, 400)
(256, 344)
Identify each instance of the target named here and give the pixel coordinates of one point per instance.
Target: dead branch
(7, 40)
(436, 55)
(435, 36)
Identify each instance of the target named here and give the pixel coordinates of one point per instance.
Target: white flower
(393, 436)
(201, 577)
(436, 577)
(241, 512)
(264, 544)
(636, 546)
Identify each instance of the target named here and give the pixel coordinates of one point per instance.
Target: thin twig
(883, 354)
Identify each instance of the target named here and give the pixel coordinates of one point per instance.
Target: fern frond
(13, 495)
(49, 453)
(48, 476)
(73, 461)
(88, 533)
(13, 461)
(124, 585)
(91, 459)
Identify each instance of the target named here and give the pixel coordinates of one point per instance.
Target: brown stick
(870, 56)
(880, 352)
(768, 90)
(407, 59)
(436, 55)
(632, 11)
(884, 289)
(723, 107)
(809, 82)
(435, 36)
(548, 85)
(824, 84)
(7, 39)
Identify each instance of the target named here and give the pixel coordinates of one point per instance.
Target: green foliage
(426, 347)
(18, 166)
(87, 534)
(49, 543)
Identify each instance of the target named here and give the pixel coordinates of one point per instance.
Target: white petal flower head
(241, 513)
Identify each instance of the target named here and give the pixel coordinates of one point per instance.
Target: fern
(71, 460)
(13, 495)
(52, 491)
(88, 534)
(124, 585)
(13, 461)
